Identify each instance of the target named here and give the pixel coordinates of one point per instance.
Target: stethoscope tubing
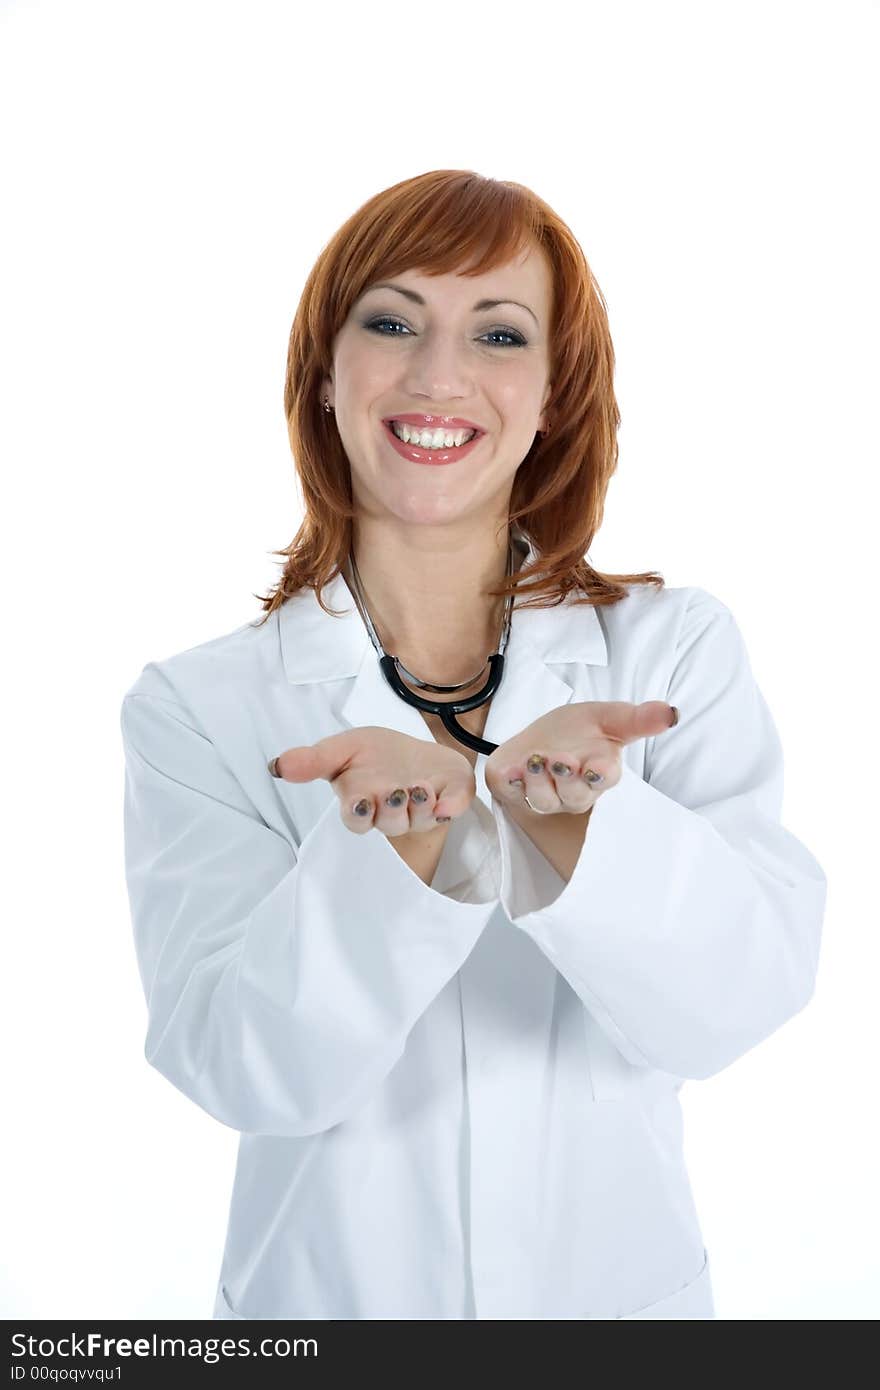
(447, 710)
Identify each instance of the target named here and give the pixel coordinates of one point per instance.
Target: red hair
(440, 222)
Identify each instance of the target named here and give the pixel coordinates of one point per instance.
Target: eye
(376, 326)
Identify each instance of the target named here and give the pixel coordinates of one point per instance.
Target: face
(444, 357)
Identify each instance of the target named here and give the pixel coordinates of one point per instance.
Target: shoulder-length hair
(456, 220)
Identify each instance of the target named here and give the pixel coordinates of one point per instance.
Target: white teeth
(432, 439)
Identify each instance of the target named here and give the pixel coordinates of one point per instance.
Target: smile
(417, 453)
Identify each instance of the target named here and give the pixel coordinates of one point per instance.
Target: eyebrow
(478, 307)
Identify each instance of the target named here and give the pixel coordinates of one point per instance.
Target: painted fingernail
(418, 794)
(273, 767)
(593, 777)
(535, 763)
(516, 782)
(560, 769)
(674, 716)
(441, 820)
(397, 797)
(362, 807)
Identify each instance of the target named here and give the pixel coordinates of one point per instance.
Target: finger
(327, 758)
(387, 813)
(392, 813)
(563, 783)
(422, 806)
(420, 810)
(455, 796)
(625, 722)
(297, 764)
(578, 785)
(538, 785)
(357, 813)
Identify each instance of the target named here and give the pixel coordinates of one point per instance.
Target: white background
(169, 173)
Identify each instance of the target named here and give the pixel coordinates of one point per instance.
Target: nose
(437, 369)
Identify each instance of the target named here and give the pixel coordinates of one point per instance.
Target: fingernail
(535, 763)
(273, 768)
(560, 770)
(674, 716)
(362, 807)
(441, 820)
(419, 794)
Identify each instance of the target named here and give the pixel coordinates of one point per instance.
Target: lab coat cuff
(613, 874)
(365, 872)
(613, 890)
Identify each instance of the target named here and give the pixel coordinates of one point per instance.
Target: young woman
(515, 869)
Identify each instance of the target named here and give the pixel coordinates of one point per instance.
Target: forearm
(559, 837)
(422, 851)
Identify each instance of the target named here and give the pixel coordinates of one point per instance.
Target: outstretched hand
(568, 757)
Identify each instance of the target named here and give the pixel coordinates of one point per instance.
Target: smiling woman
(452, 295)
(449, 532)
(497, 325)
(453, 1047)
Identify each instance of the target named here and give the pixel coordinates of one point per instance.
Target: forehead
(526, 277)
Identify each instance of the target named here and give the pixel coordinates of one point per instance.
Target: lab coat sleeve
(281, 985)
(691, 924)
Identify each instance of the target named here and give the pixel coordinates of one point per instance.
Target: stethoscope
(446, 710)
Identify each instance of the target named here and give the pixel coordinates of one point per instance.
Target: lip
(435, 422)
(414, 453)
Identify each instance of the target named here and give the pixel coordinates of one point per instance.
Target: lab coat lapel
(318, 647)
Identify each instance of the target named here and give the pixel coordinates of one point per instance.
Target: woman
(453, 1048)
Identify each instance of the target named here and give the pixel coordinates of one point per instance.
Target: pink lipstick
(416, 454)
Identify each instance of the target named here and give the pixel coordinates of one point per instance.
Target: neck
(426, 595)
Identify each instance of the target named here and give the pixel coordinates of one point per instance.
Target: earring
(327, 406)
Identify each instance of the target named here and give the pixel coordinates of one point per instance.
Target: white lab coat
(461, 1101)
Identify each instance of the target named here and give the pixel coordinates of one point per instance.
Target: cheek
(362, 371)
(522, 388)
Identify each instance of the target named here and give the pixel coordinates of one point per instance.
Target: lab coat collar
(318, 647)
